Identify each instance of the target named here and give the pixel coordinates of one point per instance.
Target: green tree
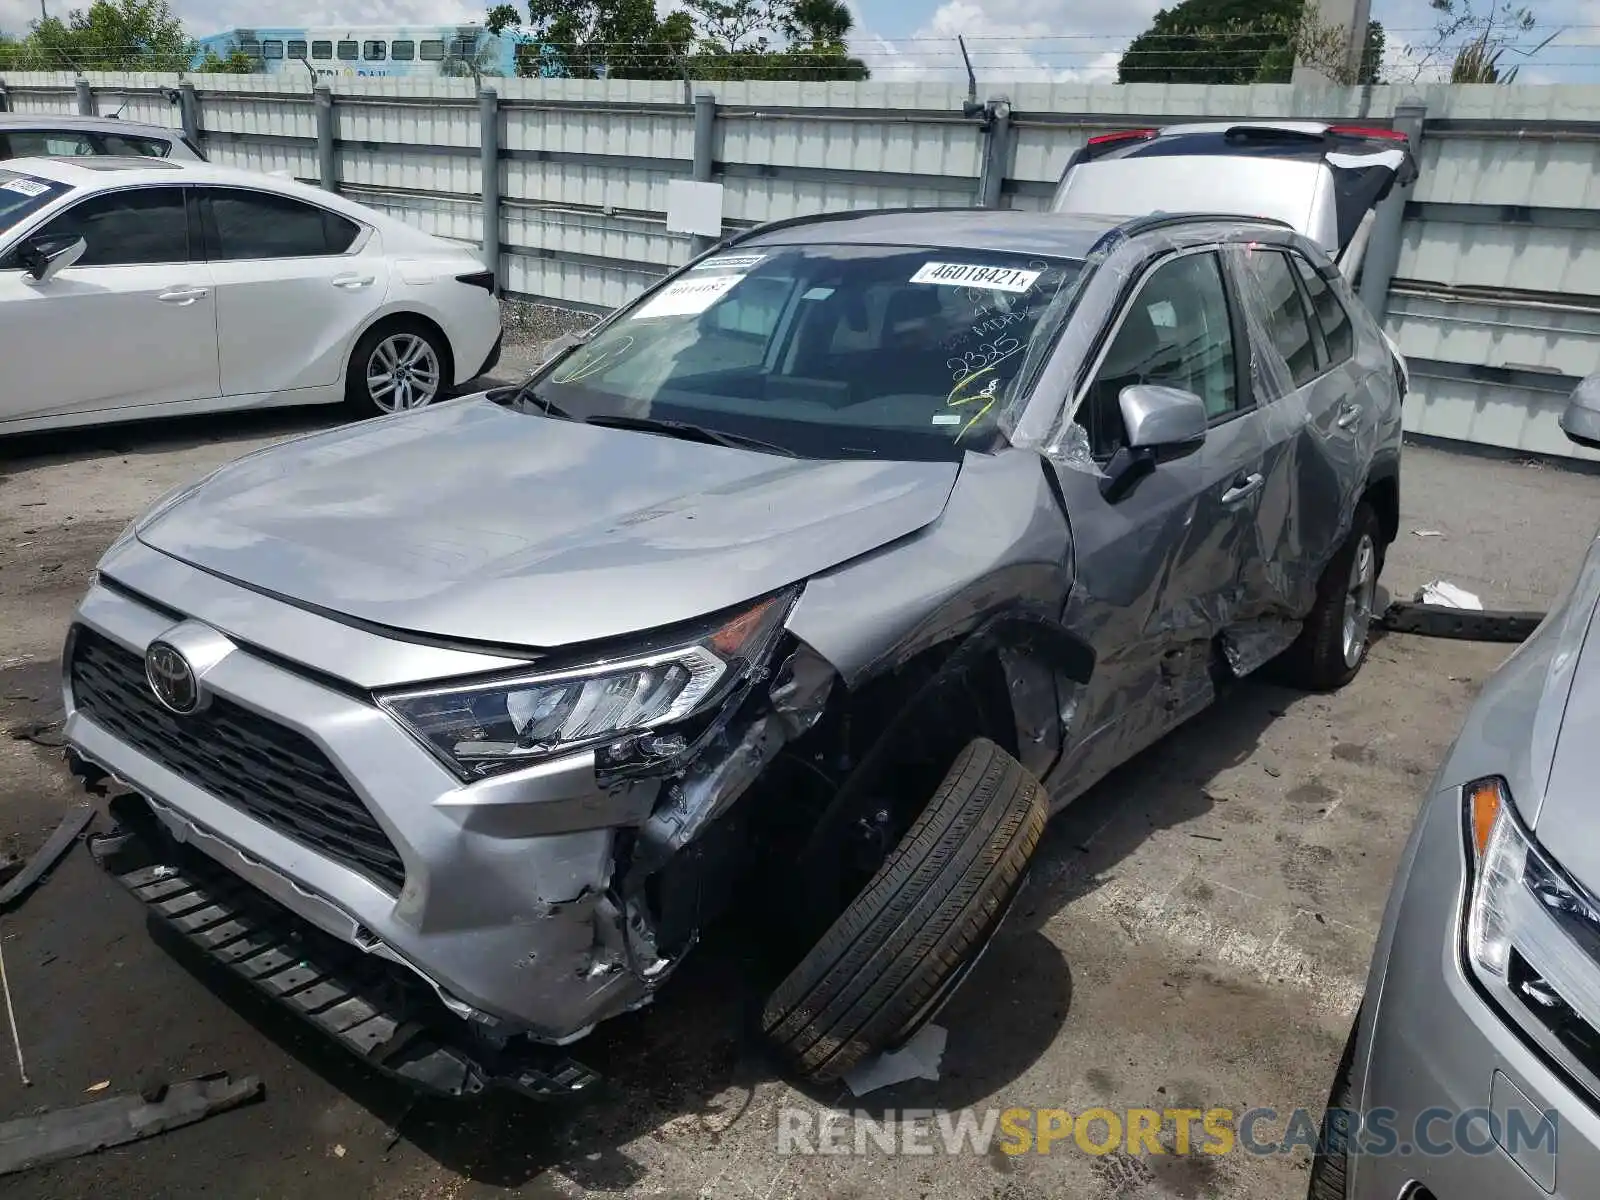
(709, 39)
(109, 35)
(1242, 41)
(235, 62)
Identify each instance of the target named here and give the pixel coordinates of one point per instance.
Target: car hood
(472, 522)
(1556, 730)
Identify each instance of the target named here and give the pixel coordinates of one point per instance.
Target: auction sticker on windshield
(686, 297)
(975, 275)
(28, 187)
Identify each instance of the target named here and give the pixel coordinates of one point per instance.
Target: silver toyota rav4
(819, 575)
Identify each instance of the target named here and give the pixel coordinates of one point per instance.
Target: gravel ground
(1195, 932)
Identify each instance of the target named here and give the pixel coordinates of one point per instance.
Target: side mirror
(45, 258)
(1581, 420)
(1166, 420)
(1162, 423)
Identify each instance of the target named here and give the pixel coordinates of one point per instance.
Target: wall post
(705, 133)
(85, 98)
(1383, 251)
(489, 165)
(189, 111)
(327, 164)
(996, 152)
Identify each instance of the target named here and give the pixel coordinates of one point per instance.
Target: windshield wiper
(689, 431)
(529, 398)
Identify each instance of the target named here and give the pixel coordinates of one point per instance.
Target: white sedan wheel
(403, 372)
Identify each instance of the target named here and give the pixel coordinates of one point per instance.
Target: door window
(403, 51)
(272, 48)
(1284, 312)
(349, 50)
(432, 51)
(136, 226)
(297, 50)
(375, 51)
(1331, 315)
(321, 51)
(245, 225)
(1176, 333)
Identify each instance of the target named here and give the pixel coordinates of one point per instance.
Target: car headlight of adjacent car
(1518, 895)
(491, 726)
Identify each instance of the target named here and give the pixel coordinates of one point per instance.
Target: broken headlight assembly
(1519, 897)
(484, 728)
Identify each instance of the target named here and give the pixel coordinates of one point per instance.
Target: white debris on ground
(917, 1059)
(1444, 594)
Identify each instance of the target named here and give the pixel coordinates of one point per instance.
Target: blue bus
(370, 51)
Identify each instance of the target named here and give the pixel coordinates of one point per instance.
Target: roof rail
(1162, 220)
(744, 235)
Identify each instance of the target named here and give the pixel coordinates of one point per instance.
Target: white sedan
(137, 288)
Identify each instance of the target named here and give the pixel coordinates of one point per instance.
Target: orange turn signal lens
(1484, 801)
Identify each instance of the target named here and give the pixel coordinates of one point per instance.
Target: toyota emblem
(171, 678)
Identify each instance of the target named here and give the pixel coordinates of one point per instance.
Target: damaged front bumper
(378, 1012)
(517, 901)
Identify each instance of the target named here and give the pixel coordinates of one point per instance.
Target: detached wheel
(396, 367)
(898, 950)
(1333, 644)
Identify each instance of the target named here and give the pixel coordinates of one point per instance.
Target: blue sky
(1011, 39)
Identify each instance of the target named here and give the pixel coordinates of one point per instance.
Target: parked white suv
(1324, 180)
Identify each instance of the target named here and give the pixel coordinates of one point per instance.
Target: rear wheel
(396, 367)
(897, 951)
(1333, 643)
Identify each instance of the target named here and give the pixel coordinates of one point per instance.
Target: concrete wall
(1495, 298)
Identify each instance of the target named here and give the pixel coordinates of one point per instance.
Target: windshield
(825, 351)
(23, 195)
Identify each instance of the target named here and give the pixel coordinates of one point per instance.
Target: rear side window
(129, 146)
(1331, 314)
(1284, 313)
(254, 225)
(139, 225)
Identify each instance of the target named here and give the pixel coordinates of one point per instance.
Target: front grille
(249, 761)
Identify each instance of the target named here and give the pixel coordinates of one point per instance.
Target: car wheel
(1333, 643)
(1330, 1165)
(897, 951)
(396, 367)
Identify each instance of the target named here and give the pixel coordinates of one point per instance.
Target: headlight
(1500, 854)
(483, 728)
(1518, 894)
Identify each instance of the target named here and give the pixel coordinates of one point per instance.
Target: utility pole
(1349, 16)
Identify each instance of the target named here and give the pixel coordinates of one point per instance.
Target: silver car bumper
(498, 899)
(1433, 1041)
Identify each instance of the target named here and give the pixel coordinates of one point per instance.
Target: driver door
(132, 323)
(1157, 572)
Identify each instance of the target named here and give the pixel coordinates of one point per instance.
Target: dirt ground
(1195, 933)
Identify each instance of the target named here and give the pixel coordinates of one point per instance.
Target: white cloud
(1013, 41)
